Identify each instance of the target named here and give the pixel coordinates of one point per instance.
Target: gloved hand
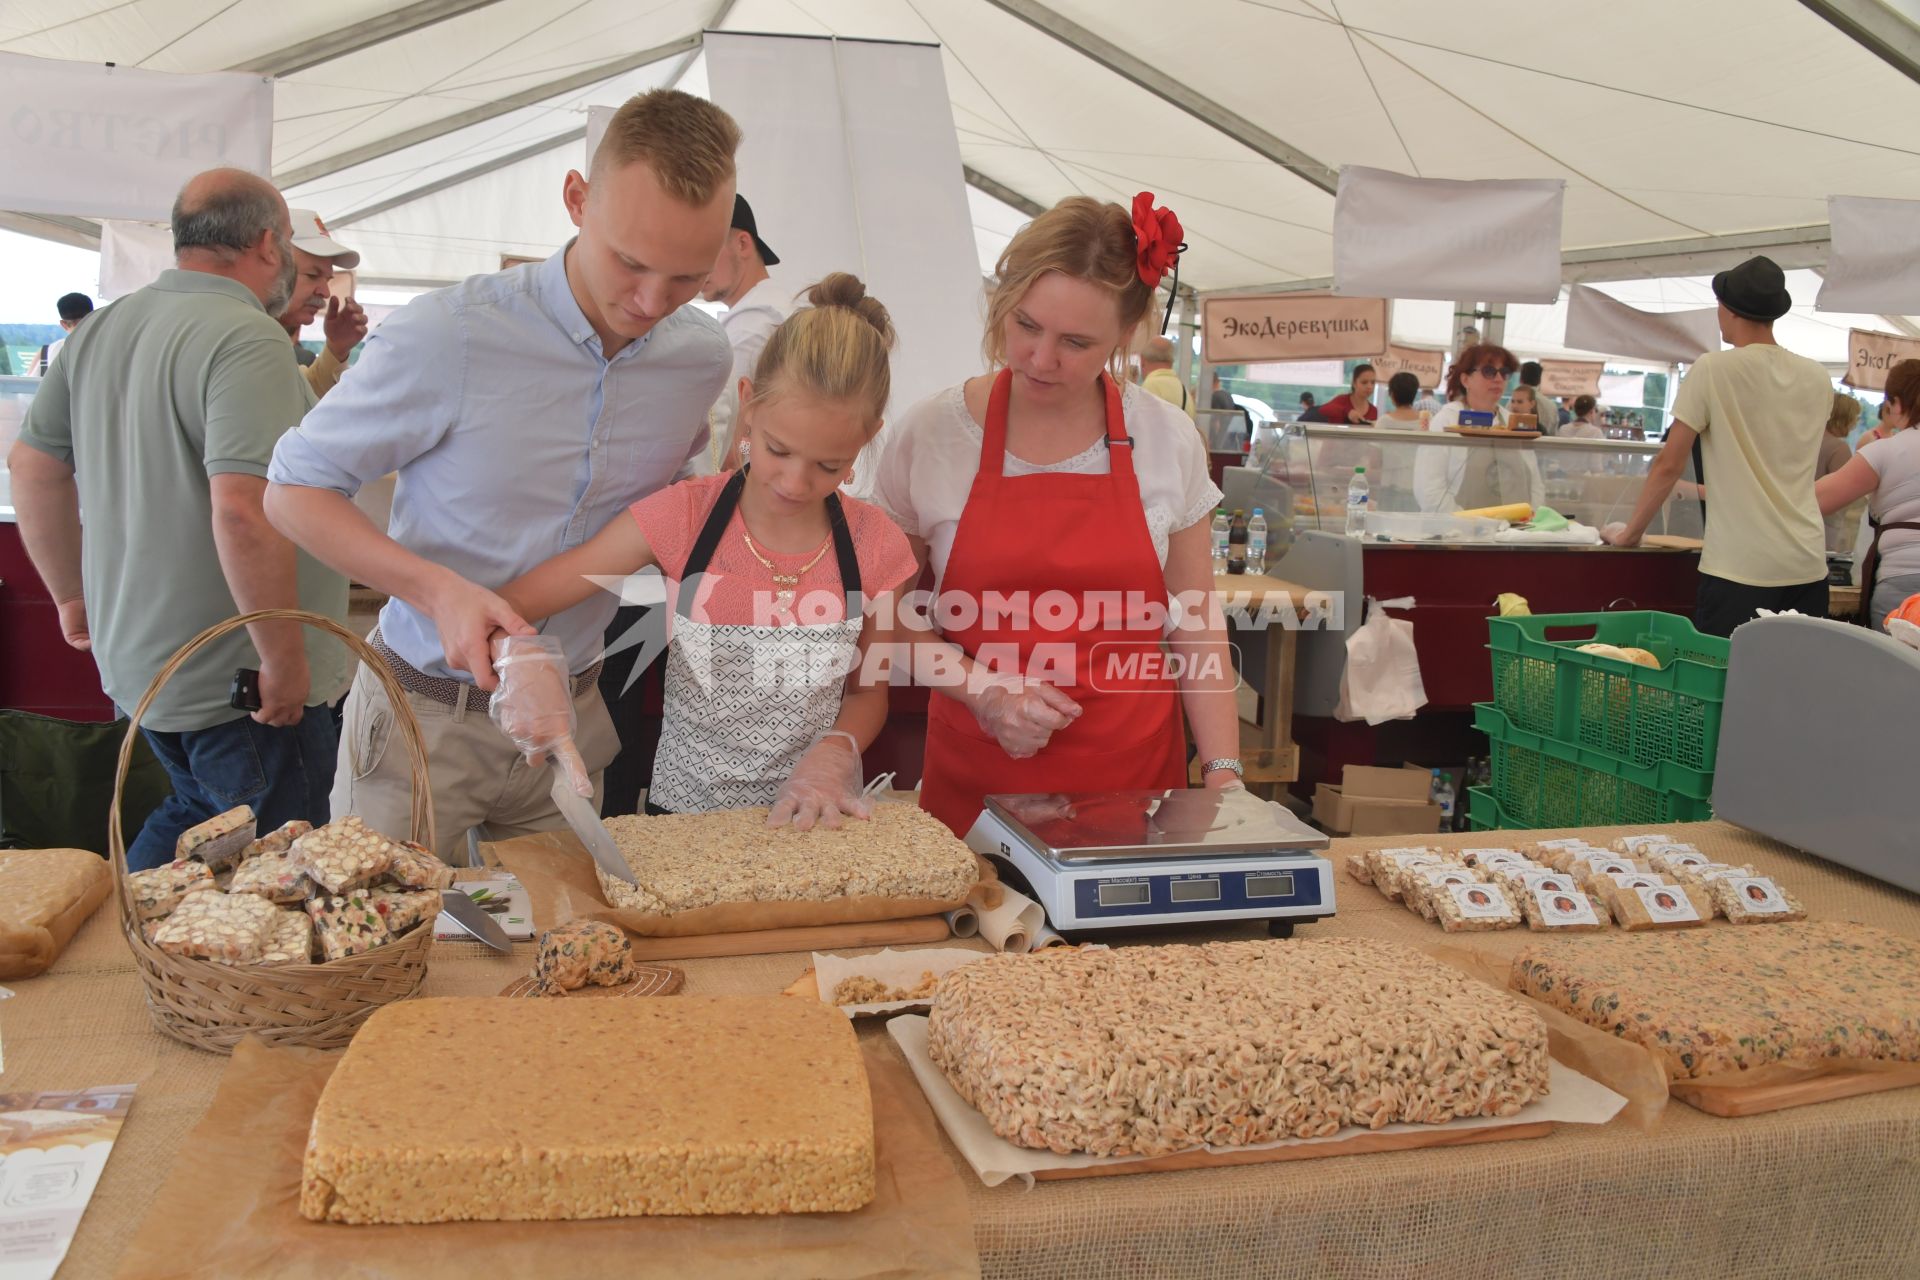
(534, 704)
(1022, 715)
(824, 787)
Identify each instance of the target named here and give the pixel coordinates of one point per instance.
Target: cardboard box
(1410, 783)
(1346, 815)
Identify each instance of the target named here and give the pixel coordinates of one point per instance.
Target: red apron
(1022, 537)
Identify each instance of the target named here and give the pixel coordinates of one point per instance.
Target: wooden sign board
(1244, 329)
(1571, 377)
(1870, 354)
(1429, 366)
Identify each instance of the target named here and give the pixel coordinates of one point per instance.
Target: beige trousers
(478, 777)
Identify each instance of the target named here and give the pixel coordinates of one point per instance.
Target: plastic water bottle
(1257, 542)
(1222, 531)
(1357, 493)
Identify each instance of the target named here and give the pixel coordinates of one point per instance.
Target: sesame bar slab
(620, 1108)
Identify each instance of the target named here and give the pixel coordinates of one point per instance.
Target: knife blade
(578, 811)
(467, 913)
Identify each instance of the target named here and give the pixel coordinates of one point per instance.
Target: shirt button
(579, 337)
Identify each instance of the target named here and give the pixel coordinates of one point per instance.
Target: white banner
(1489, 241)
(132, 256)
(1597, 322)
(85, 139)
(1624, 390)
(851, 163)
(1872, 268)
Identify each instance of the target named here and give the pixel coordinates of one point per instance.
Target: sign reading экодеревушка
(1292, 326)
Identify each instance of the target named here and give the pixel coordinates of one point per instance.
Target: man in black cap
(755, 308)
(1757, 413)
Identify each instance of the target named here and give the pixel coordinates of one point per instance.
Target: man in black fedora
(1757, 413)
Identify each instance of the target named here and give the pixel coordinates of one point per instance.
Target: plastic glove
(824, 787)
(534, 704)
(1615, 534)
(1022, 715)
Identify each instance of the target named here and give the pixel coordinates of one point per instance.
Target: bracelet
(1229, 763)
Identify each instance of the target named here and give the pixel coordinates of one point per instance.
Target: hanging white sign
(1598, 322)
(1488, 241)
(96, 141)
(1871, 266)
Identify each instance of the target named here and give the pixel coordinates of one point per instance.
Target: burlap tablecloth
(1833, 1188)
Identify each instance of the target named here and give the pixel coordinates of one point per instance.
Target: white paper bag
(1382, 680)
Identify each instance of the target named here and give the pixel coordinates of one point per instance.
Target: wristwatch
(1230, 763)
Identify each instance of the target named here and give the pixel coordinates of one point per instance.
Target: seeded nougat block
(220, 841)
(158, 890)
(210, 925)
(619, 1108)
(289, 939)
(347, 925)
(277, 877)
(344, 855)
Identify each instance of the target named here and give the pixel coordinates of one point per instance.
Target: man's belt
(452, 693)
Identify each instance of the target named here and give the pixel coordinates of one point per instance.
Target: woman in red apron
(1059, 538)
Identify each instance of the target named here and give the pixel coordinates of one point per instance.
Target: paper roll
(1048, 938)
(1013, 924)
(964, 921)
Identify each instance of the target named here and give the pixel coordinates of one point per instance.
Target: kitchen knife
(467, 913)
(578, 811)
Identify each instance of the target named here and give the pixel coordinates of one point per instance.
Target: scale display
(1140, 858)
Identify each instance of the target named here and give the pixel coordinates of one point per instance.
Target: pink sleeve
(666, 516)
(886, 561)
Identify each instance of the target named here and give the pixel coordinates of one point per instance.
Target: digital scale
(1132, 859)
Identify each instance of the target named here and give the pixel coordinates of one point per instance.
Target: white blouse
(932, 453)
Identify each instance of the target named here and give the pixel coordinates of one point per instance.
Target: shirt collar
(556, 298)
(180, 280)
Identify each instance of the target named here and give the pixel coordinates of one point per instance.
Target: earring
(745, 453)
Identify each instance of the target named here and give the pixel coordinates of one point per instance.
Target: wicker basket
(212, 1005)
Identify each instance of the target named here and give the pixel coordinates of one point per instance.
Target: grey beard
(282, 292)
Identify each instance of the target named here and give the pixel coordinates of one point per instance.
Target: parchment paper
(561, 884)
(895, 968)
(230, 1208)
(1574, 1099)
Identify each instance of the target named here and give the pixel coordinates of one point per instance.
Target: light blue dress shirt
(513, 436)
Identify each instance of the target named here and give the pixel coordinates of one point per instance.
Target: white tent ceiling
(433, 135)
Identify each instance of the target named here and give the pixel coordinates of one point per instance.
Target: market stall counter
(1790, 1193)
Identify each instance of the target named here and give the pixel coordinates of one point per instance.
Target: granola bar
(1679, 906)
(158, 890)
(1638, 846)
(1669, 858)
(219, 841)
(217, 926)
(1475, 908)
(1753, 900)
(290, 940)
(347, 925)
(1563, 911)
(277, 877)
(581, 953)
(1422, 883)
(344, 855)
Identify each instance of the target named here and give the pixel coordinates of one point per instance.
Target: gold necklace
(785, 582)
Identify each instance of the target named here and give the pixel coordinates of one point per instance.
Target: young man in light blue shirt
(522, 412)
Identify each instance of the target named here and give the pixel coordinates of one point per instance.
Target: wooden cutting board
(1758, 1099)
(823, 937)
(649, 980)
(1672, 541)
(1362, 1144)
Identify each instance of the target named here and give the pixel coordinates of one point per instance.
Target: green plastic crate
(1483, 811)
(1637, 715)
(1538, 782)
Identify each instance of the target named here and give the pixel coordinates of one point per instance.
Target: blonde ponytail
(835, 348)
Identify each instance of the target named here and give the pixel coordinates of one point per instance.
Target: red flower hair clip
(1158, 233)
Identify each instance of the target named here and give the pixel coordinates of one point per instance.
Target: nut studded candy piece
(1152, 1050)
(1667, 859)
(1638, 846)
(1420, 884)
(620, 1108)
(277, 877)
(404, 908)
(346, 926)
(1359, 868)
(1678, 906)
(220, 841)
(229, 927)
(278, 840)
(1562, 911)
(582, 952)
(1753, 900)
(290, 940)
(343, 855)
(416, 867)
(158, 890)
(1474, 908)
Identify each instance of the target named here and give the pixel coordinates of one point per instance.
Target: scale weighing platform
(1132, 859)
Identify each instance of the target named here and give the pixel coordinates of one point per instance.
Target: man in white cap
(755, 308)
(317, 256)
